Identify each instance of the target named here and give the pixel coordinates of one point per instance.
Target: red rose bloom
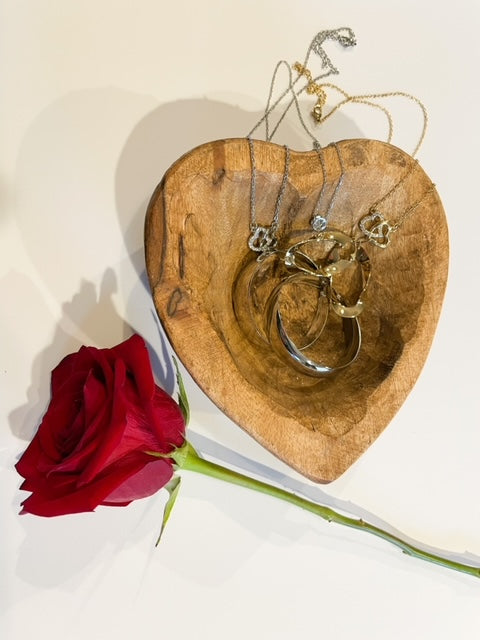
(104, 416)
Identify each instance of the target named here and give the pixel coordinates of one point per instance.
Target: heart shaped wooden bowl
(197, 229)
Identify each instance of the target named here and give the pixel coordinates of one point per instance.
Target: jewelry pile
(305, 290)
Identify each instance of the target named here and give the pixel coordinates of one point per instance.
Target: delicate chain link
(374, 226)
(345, 37)
(281, 192)
(409, 210)
(313, 88)
(319, 90)
(396, 186)
(265, 237)
(340, 180)
(412, 207)
(319, 221)
(316, 208)
(253, 186)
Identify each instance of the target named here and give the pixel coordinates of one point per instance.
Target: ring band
(297, 258)
(259, 310)
(286, 348)
(251, 310)
(306, 365)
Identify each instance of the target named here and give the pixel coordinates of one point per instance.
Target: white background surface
(98, 99)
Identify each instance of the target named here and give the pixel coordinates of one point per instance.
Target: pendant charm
(317, 112)
(318, 223)
(376, 229)
(261, 240)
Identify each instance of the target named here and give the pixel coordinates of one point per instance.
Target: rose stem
(190, 460)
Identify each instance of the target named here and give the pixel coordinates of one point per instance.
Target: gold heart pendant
(199, 265)
(376, 229)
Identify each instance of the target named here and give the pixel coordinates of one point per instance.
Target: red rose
(91, 448)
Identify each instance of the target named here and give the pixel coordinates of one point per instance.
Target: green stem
(190, 460)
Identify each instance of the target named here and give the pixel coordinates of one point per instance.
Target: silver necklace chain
(319, 221)
(263, 238)
(345, 37)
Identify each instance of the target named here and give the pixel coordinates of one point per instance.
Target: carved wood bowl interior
(196, 235)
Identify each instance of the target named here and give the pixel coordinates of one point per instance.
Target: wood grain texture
(196, 234)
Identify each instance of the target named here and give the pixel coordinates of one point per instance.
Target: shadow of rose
(48, 555)
(88, 314)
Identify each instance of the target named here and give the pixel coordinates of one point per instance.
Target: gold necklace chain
(409, 210)
(374, 226)
(313, 88)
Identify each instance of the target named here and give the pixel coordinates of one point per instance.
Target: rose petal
(104, 415)
(150, 479)
(60, 494)
(167, 420)
(135, 354)
(113, 431)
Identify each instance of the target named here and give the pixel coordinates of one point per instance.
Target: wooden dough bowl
(196, 235)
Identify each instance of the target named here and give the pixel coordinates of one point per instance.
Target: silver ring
(291, 353)
(315, 330)
(268, 275)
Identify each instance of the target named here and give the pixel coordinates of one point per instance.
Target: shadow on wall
(95, 316)
(175, 128)
(93, 144)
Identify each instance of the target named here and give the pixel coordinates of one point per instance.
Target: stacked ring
(285, 347)
(260, 286)
(345, 252)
